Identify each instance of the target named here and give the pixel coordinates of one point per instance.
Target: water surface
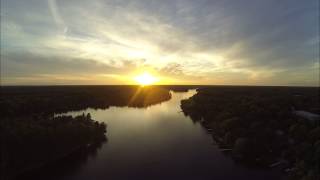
(157, 142)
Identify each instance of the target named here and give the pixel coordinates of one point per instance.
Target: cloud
(219, 41)
(57, 70)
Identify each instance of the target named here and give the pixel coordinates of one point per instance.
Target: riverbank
(29, 143)
(258, 126)
(26, 100)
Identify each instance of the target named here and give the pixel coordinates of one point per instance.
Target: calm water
(157, 142)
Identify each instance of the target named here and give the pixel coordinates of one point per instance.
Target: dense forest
(33, 135)
(258, 125)
(55, 99)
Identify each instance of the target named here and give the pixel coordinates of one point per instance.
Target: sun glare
(145, 79)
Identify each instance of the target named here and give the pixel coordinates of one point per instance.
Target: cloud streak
(206, 42)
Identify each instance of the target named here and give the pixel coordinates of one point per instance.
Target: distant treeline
(18, 100)
(258, 125)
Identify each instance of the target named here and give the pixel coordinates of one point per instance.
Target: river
(157, 142)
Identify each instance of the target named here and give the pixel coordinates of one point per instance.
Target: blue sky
(238, 42)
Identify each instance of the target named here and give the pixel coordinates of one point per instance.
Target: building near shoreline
(311, 117)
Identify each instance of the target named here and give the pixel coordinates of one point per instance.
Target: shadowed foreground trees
(31, 142)
(259, 127)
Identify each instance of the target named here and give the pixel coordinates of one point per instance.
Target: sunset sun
(145, 79)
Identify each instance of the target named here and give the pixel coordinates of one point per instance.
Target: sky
(218, 42)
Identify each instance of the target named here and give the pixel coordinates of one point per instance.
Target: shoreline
(45, 141)
(258, 137)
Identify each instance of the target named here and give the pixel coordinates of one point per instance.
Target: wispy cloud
(206, 42)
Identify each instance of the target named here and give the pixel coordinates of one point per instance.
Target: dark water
(157, 142)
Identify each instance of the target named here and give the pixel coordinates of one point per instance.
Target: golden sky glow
(145, 79)
(183, 42)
